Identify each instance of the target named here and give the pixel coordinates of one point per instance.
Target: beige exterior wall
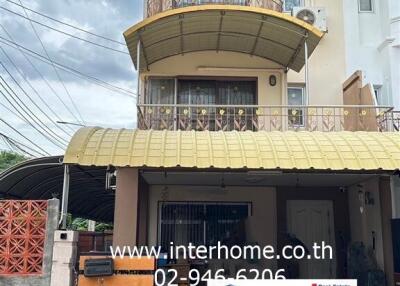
(327, 64)
(225, 64)
(263, 200)
(126, 207)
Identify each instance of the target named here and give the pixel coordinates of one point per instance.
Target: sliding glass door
(202, 103)
(217, 92)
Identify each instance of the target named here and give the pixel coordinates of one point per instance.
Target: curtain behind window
(209, 92)
(161, 91)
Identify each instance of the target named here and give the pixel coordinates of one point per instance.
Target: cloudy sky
(97, 105)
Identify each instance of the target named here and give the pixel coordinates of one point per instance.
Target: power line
(37, 93)
(37, 71)
(27, 113)
(63, 67)
(55, 70)
(63, 32)
(67, 24)
(17, 145)
(23, 136)
(54, 135)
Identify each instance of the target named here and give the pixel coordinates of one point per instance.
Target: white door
(312, 221)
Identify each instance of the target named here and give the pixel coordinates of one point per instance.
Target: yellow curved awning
(255, 31)
(236, 150)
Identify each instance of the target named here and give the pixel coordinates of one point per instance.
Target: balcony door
(215, 104)
(217, 92)
(200, 103)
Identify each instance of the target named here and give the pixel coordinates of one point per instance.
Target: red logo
(314, 284)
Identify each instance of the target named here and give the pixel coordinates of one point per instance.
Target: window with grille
(202, 223)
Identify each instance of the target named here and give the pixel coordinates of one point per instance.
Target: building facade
(372, 45)
(253, 129)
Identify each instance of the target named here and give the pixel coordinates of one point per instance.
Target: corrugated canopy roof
(236, 150)
(251, 30)
(42, 179)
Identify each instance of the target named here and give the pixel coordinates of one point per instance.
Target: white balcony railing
(269, 118)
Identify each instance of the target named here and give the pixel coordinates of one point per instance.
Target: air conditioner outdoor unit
(315, 16)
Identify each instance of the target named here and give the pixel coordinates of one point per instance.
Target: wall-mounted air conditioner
(315, 16)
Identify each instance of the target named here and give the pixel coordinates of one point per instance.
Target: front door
(310, 222)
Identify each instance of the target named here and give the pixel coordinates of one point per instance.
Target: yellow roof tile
(253, 150)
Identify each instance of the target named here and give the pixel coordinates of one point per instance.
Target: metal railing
(157, 6)
(268, 118)
(396, 120)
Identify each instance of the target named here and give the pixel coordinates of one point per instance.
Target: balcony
(267, 118)
(396, 120)
(157, 6)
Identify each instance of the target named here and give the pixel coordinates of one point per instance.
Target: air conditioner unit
(315, 16)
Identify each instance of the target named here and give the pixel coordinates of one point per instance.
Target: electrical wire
(20, 49)
(17, 145)
(67, 24)
(64, 33)
(28, 114)
(37, 93)
(55, 70)
(93, 79)
(23, 136)
(54, 135)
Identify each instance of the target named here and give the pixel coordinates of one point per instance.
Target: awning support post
(65, 194)
(306, 71)
(139, 46)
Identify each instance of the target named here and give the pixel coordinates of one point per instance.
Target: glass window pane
(202, 223)
(225, 223)
(289, 4)
(237, 92)
(366, 5)
(200, 92)
(161, 91)
(295, 96)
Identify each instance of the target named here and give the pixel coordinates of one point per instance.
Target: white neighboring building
(372, 41)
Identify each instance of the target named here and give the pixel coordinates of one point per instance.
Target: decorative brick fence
(22, 235)
(26, 241)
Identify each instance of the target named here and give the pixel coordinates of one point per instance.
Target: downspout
(65, 194)
(306, 72)
(139, 46)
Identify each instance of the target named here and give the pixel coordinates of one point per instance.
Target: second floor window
(161, 91)
(211, 92)
(296, 98)
(366, 5)
(201, 91)
(289, 4)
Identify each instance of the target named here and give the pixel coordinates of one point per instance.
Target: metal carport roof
(42, 178)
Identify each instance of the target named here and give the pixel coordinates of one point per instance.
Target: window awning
(235, 150)
(250, 30)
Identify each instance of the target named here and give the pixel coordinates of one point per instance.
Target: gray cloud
(97, 105)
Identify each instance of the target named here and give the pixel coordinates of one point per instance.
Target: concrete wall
(372, 45)
(370, 220)
(261, 227)
(126, 207)
(327, 63)
(44, 279)
(225, 64)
